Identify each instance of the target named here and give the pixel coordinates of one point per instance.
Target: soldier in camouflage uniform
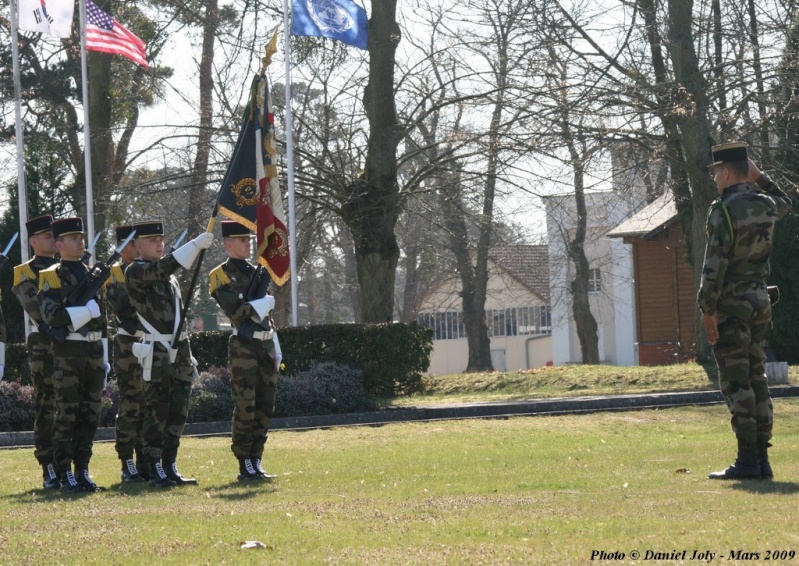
(80, 361)
(128, 371)
(254, 358)
(167, 373)
(736, 310)
(39, 345)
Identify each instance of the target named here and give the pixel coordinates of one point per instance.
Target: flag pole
(184, 313)
(87, 148)
(290, 167)
(19, 132)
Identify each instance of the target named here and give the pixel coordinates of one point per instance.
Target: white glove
(94, 309)
(263, 306)
(106, 365)
(187, 253)
(79, 316)
(278, 352)
(203, 241)
(195, 375)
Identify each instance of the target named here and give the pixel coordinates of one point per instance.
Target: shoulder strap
(23, 272)
(117, 276)
(49, 279)
(725, 212)
(218, 278)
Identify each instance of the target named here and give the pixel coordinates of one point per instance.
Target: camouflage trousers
(78, 378)
(40, 365)
(166, 403)
(253, 384)
(131, 399)
(744, 321)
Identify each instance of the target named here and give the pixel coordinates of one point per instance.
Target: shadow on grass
(40, 494)
(239, 491)
(761, 486)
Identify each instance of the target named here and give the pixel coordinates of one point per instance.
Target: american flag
(105, 34)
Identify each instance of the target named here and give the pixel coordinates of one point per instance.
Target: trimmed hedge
(392, 356)
(17, 407)
(17, 364)
(323, 389)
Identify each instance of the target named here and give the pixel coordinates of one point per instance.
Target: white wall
(613, 307)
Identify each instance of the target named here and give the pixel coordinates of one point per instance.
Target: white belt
(123, 332)
(259, 335)
(90, 336)
(163, 337)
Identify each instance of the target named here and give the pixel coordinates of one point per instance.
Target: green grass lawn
(528, 490)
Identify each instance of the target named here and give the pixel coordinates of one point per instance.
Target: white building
(517, 313)
(611, 283)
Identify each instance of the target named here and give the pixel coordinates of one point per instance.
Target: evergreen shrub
(17, 406)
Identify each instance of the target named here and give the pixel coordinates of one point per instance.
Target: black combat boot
(85, 481)
(142, 466)
(69, 484)
(746, 465)
(171, 469)
(256, 464)
(246, 471)
(130, 473)
(50, 477)
(158, 476)
(762, 452)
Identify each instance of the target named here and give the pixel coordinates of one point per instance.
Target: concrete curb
(500, 409)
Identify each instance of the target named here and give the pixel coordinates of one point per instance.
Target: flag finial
(270, 49)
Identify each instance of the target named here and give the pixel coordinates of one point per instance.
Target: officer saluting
(736, 311)
(155, 294)
(39, 345)
(80, 360)
(254, 351)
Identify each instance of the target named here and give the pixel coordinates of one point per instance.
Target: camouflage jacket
(152, 287)
(740, 225)
(124, 315)
(55, 283)
(229, 282)
(26, 285)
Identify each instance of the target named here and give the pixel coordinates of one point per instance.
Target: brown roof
(527, 263)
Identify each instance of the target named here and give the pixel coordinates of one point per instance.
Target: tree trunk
(473, 301)
(754, 38)
(197, 197)
(581, 308)
(372, 207)
(692, 119)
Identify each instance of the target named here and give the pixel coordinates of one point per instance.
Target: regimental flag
(53, 17)
(338, 19)
(250, 192)
(105, 34)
